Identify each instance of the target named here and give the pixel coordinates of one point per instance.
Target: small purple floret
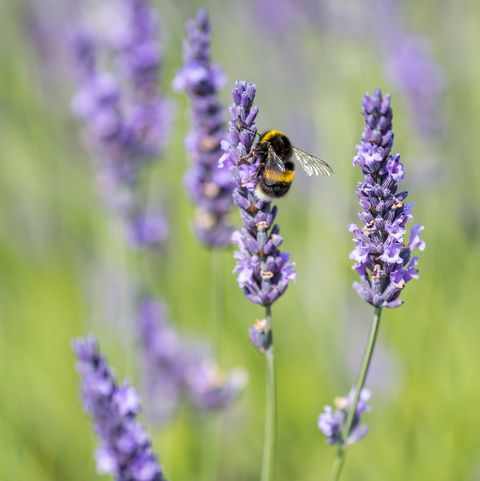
(332, 421)
(383, 258)
(263, 271)
(125, 450)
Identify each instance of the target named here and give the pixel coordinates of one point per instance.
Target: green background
(64, 270)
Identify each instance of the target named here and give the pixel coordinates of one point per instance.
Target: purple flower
(174, 369)
(331, 422)
(163, 362)
(412, 69)
(263, 272)
(125, 450)
(149, 228)
(382, 257)
(210, 389)
(208, 186)
(260, 336)
(126, 119)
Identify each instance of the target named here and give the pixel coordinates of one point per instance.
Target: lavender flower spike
(383, 259)
(331, 422)
(175, 368)
(263, 272)
(208, 186)
(125, 451)
(126, 118)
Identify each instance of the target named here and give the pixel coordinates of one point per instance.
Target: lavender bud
(332, 421)
(261, 336)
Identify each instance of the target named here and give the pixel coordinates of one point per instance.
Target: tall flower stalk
(383, 259)
(263, 271)
(209, 187)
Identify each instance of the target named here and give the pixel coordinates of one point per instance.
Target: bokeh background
(64, 270)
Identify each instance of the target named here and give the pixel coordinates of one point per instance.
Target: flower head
(125, 450)
(174, 369)
(208, 186)
(332, 421)
(263, 271)
(126, 119)
(383, 258)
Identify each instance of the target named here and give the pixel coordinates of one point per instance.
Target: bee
(277, 158)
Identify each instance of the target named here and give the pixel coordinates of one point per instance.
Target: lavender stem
(360, 383)
(268, 463)
(217, 298)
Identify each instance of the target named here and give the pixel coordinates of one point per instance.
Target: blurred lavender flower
(382, 258)
(331, 422)
(209, 389)
(126, 118)
(163, 362)
(410, 65)
(208, 186)
(125, 450)
(263, 272)
(173, 366)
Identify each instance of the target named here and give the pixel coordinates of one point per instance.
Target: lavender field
(166, 313)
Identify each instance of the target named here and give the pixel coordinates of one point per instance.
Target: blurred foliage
(56, 245)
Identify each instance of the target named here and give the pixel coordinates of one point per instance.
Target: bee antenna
(247, 128)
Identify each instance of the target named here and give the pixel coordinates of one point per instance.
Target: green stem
(268, 462)
(360, 383)
(217, 298)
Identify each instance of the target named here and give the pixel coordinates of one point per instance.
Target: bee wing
(311, 164)
(274, 168)
(274, 161)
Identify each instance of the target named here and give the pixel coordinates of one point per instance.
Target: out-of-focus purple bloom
(382, 258)
(208, 186)
(410, 65)
(126, 119)
(163, 362)
(263, 272)
(210, 389)
(149, 228)
(125, 450)
(173, 369)
(413, 71)
(332, 421)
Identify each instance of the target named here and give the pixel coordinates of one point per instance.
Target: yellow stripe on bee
(270, 134)
(275, 176)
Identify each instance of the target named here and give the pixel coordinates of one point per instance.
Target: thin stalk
(268, 463)
(359, 384)
(217, 290)
(212, 447)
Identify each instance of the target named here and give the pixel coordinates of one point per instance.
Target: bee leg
(244, 182)
(243, 160)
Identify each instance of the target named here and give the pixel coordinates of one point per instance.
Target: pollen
(262, 225)
(208, 144)
(266, 274)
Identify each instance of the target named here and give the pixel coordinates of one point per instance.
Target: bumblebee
(277, 158)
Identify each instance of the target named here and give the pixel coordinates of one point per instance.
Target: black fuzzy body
(268, 188)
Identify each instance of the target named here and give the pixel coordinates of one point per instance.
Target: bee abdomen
(268, 192)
